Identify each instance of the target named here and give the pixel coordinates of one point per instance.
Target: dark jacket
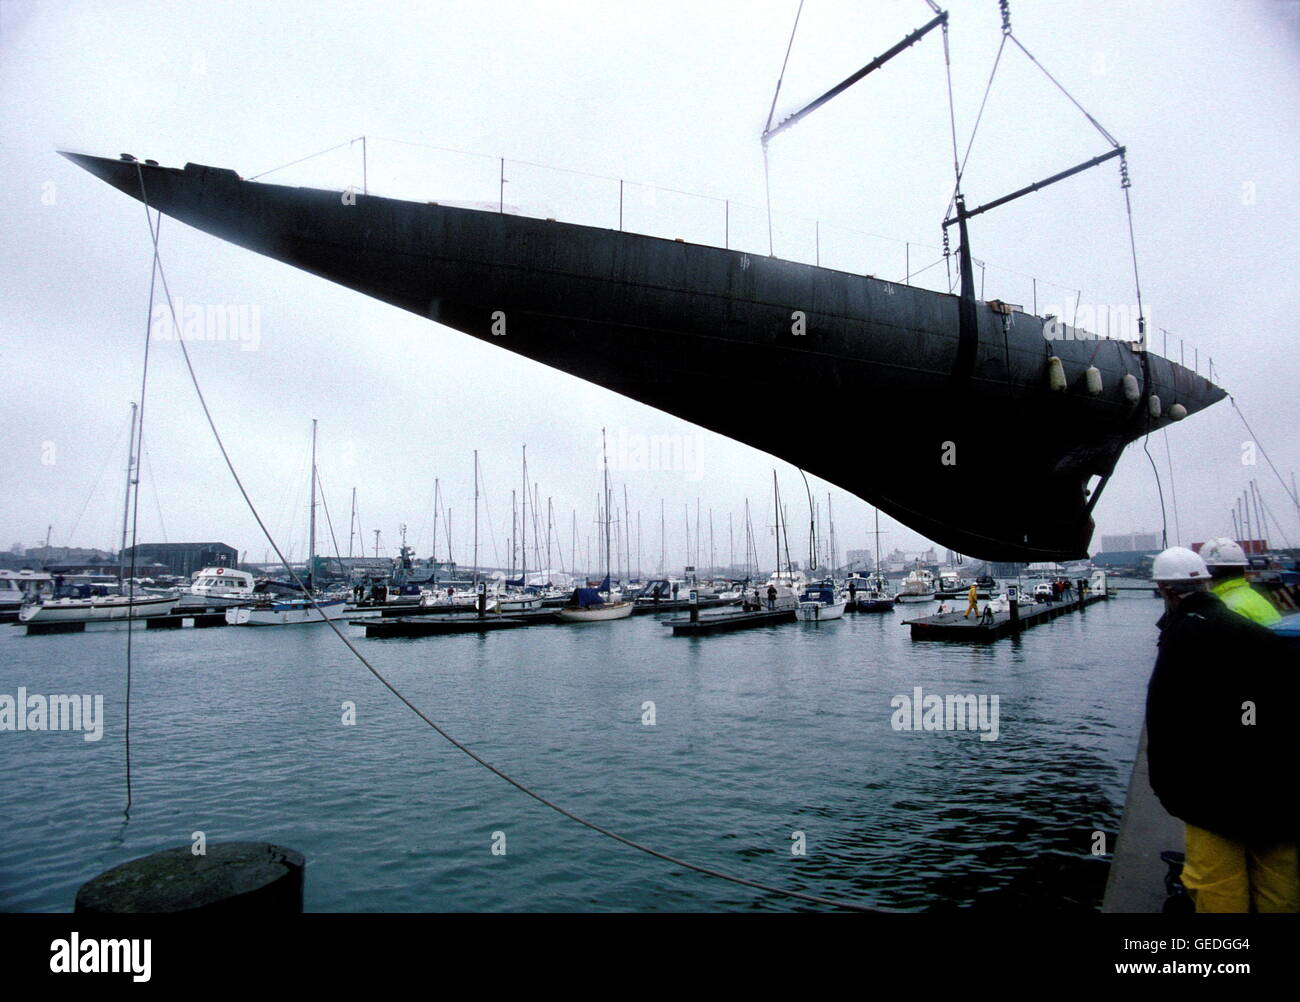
(1208, 767)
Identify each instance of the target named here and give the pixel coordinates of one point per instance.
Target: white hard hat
(1179, 564)
(1224, 552)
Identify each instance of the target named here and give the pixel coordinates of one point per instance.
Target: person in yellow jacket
(1227, 563)
(1219, 728)
(972, 602)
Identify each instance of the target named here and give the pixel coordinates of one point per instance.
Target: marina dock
(728, 621)
(954, 626)
(645, 608)
(198, 620)
(431, 626)
(1137, 876)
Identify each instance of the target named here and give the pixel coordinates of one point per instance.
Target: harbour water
(239, 734)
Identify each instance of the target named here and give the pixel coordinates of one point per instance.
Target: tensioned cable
(1164, 520)
(338, 557)
(1097, 125)
(154, 232)
(785, 62)
(952, 108)
(379, 676)
(975, 129)
(1259, 445)
(108, 456)
(309, 156)
(1173, 489)
(157, 501)
(767, 182)
(1268, 514)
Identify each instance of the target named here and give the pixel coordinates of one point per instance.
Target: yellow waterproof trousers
(1223, 875)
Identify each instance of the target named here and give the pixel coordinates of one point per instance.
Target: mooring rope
(135, 499)
(379, 676)
(1164, 520)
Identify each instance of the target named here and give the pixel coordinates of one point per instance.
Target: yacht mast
(435, 528)
(476, 519)
(605, 456)
(311, 532)
(352, 522)
(523, 527)
(126, 501)
(776, 500)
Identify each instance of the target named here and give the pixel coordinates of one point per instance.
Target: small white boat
(512, 603)
(292, 612)
(588, 606)
(820, 602)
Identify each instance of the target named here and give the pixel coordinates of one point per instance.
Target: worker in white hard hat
(1219, 740)
(1227, 562)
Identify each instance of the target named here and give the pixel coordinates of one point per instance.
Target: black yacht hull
(999, 471)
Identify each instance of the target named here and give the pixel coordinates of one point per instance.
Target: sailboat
(819, 600)
(665, 322)
(313, 608)
(104, 607)
(587, 605)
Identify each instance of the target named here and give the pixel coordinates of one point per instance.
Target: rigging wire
(767, 180)
(952, 108)
(309, 156)
(1268, 515)
(975, 129)
(1097, 125)
(383, 680)
(108, 456)
(338, 557)
(812, 523)
(157, 501)
(1258, 445)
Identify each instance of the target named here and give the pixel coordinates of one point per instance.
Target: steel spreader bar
(1118, 151)
(844, 85)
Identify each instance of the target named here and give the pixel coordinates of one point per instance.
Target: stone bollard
(232, 877)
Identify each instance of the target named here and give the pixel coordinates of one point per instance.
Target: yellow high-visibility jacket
(1241, 598)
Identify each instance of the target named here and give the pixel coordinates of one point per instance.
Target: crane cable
(767, 180)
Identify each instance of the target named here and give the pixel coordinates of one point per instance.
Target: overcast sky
(1204, 94)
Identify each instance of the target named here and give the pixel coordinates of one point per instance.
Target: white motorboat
(820, 602)
(19, 588)
(219, 587)
(918, 586)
